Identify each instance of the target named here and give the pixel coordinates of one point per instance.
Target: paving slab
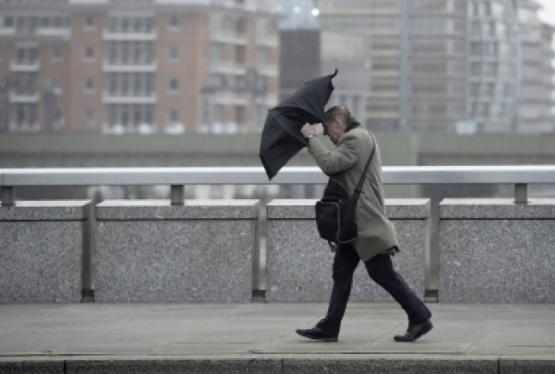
(103, 338)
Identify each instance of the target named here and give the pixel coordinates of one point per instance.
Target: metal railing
(518, 175)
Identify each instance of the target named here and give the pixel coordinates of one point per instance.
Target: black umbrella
(281, 136)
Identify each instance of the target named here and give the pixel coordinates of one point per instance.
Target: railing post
(521, 193)
(432, 253)
(7, 196)
(177, 192)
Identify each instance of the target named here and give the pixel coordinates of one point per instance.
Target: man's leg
(344, 264)
(380, 269)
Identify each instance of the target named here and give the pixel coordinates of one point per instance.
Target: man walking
(376, 240)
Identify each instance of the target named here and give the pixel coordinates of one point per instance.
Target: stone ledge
(496, 209)
(395, 365)
(47, 210)
(526, 365)
(31, 366)
(163, 210)
(304, 209)
(280, 364)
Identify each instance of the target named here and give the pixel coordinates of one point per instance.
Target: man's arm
(335, 161)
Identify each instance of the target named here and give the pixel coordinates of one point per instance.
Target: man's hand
(308, 129)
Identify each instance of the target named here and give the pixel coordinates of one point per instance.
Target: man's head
(337, 121)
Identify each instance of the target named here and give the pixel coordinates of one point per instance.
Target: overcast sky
(548, 12)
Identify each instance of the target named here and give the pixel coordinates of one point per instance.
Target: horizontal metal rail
(494, 174)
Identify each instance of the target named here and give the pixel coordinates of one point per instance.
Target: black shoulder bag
(335, 212)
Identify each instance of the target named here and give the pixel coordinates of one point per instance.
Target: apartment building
(378, 24)
(138, 66)
(534, 115)
(461, 66)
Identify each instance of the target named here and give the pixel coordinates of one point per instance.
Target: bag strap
(360, 182)
(358, 189)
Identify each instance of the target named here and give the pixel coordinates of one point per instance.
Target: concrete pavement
(490, 336)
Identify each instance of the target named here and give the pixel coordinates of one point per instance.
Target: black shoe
(414, 332)
(316, 334)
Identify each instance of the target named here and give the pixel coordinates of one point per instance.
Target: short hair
(343, 114)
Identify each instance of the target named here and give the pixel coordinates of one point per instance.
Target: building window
(131, 84)
(89, 118)
(8, 21)
(56, 53)
(175, 22)
(174, 54)
(89, 85)
(174, 85)
(130, 53)
(89, 53)
(25, 83)
(173, 116)
(240, 114)
(240, 27)
(130, 118)
(134, 25)
(89, 23)
(240, 54)
(26, 116)
(26, 55)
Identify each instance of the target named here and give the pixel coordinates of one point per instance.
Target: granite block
(299, 262)
(390, 366)
(156, 366)
(177, 260)
(50, 210)
(30, 366)
(528, 366)
(162, 209)
(497, 209)
(40, 252)
(496, 260)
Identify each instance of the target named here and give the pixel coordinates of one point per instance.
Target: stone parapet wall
(40, 251)
(151, 251)
(496, 251)
(299, 262)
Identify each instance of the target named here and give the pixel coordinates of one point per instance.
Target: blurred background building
(216, 66)
(462, 66)
(137, 66)
(536, 102)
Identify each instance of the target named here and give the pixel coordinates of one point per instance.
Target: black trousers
(380, 269)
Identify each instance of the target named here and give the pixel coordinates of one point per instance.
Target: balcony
(230, 98)
(130, 36)
(227, 68)
(268, 70)
(228, 37)
(7, 31)
(26, 98)
(267, 41)
(24, 66)
(130, 68)
(51, 33)
(108, 98)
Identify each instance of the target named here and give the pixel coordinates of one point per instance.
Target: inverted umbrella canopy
(281, 136)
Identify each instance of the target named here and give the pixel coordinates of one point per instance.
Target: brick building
(137, 66)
